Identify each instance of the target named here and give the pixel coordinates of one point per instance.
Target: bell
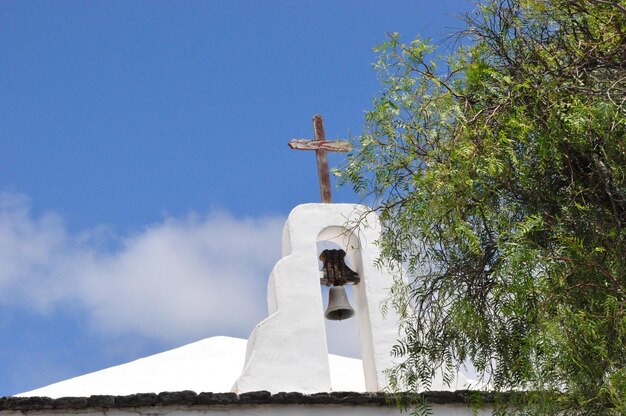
(338, 306)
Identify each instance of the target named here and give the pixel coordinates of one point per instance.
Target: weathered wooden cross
(321, 146)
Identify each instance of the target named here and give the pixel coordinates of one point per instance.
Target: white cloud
(179, 279)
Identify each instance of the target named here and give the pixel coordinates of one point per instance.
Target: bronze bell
(338, 306)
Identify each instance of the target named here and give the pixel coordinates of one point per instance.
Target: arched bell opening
(342, 336)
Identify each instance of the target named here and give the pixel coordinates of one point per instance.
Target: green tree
(500, 179)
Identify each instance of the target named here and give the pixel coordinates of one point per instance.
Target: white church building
(284, 367)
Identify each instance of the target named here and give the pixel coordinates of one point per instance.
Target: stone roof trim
(190, 398)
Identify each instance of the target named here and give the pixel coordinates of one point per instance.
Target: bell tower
(288, 351)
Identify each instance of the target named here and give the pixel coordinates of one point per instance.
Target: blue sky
(144, 168)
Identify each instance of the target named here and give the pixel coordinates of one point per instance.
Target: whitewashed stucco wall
(288, 350)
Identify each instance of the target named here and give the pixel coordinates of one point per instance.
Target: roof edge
(190, 398)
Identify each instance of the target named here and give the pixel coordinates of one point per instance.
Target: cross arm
(327, 145)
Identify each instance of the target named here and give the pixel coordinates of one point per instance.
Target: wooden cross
(321, 146)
